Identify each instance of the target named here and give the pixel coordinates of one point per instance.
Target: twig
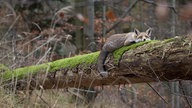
(157, 93)
(40, 46)
(44, 56)
(11, 27)
(37, 26)
(43, 100)
(123, 16)
(181, 86)
(153, 3)
(153, 70)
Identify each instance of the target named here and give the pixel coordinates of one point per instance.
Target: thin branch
(157, 92)
(131, 7)
(123, 16)
(155, 4)
(181, 86)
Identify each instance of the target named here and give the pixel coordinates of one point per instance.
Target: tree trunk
(90, 31)
(150, 61)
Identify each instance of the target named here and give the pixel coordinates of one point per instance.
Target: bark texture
(155, 61)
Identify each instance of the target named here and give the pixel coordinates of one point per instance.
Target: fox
(117, 41)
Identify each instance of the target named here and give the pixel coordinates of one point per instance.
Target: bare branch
(155, 4)
(123, 16)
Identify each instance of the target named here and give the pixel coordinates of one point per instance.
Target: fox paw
(104, 74)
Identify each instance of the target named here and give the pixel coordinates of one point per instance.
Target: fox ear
(149, 31)
(137, 32)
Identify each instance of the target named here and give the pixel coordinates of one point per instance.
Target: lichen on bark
(69, 63)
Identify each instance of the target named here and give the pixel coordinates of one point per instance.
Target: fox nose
(144, 39)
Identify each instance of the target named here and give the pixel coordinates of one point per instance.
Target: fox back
(118, 40)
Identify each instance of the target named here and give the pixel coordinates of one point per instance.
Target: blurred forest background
(39, 31)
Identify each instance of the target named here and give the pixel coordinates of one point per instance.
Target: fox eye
(147, 36)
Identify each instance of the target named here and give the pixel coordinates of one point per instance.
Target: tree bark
(154, 61)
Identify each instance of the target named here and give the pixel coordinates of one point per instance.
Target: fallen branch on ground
(141, 62)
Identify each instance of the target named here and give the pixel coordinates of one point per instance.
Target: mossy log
(149, 61)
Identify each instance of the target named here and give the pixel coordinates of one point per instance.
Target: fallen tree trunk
(142, 62)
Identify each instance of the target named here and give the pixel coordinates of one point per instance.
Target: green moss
(71, 62)
(3, 68)
(20, 72)
(119, 52)
(75, 61)
(51, 66)
(168, 40)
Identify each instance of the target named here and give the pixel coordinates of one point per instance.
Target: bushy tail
(100, 63)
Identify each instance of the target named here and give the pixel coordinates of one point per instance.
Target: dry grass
(12, 24)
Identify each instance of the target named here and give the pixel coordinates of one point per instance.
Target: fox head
(143, 36)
